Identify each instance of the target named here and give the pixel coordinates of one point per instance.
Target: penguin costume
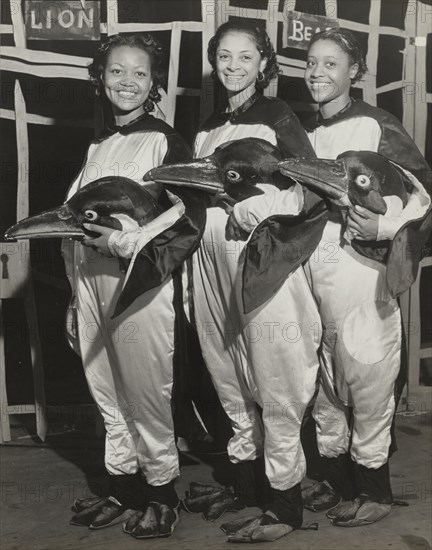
(361, 376)
(361, 358)
(130, 315)
(273, 357)
(363, 340)
(267, 357)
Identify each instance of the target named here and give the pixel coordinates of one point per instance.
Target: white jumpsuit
(269, 356)
(360, 357)
(128, 361)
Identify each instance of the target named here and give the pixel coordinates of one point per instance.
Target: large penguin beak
(58, 222)
(325, 177)
(202, 174)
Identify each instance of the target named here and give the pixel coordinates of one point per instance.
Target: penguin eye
(363, 181)
(90, 215)
(232, 175)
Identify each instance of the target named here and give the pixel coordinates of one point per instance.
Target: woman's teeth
(126, 95)
(320, 85)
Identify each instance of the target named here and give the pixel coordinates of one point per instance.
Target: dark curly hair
(347, 42)
(263, 44)
(145, 42)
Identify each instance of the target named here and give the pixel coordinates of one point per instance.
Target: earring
(260, 77)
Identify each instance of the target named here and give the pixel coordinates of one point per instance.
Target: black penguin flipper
(408, 247)
(278, 246)
(406, 251)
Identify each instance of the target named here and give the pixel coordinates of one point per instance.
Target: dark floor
(40, 482)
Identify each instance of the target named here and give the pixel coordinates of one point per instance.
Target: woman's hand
(233, 231)
(362, 224)
(99, 243)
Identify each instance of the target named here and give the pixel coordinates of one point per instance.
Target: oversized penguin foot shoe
(264, 528)
(320, 496)
(111, 513)
(98, 513)
(132, 522)
(211, 501)
(342, 509)
(81, 504)
(157, 520)
(359, 512)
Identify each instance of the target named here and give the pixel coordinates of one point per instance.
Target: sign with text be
(62, 20)
(300, 27)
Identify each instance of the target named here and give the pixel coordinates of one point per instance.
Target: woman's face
(238, 62)
(328, 72)
(127, 79)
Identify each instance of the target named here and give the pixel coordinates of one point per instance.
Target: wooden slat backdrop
(418, 22)
(48, 65)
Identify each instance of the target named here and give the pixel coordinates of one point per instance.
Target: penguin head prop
(233, 172)
(361, 178)
(116, 202)
(121, 203)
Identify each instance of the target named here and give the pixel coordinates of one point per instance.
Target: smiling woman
(331, 70)
(362, 374)
(243, 60)
(127, 82)
(127, 69)
(140, 453)
(271, 366)
(239, 64)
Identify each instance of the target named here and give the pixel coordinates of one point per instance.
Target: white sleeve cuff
(123, 243)
(252, 211)
(127, 244)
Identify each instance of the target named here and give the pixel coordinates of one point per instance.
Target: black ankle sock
(164, 494)
(341, 476)
(375, 483)
(250, 481)
(287, 505)
(127, 490)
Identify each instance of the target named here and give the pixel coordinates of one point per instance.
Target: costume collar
(318, 120)
(223, 116)
(232, 115)
(125, 129)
